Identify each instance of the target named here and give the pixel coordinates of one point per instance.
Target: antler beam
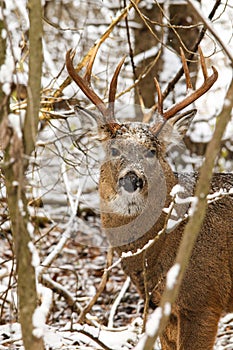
(85, 85)
(208, 82)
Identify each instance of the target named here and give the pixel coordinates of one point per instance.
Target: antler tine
(84, 85)
(189, 85)
(157, 127)
(203, 65)
(160, 97)
(113, 87)
(87, 75)
(208, 82)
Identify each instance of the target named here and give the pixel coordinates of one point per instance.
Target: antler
(208, 82)
(84, 84)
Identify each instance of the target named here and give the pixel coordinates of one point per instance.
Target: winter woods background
(52, 246)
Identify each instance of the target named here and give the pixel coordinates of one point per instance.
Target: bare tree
(17, 145)
(31, 143)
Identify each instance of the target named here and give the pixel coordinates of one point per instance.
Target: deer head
(135, 176)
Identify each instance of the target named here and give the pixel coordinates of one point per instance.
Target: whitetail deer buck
(135, 185)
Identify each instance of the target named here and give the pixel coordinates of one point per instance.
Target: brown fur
(207, 289)
(135, 185)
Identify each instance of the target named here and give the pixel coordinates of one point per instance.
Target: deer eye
(151, 153)
(115, 152)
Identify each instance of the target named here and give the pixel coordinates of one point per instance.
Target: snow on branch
(42, 311)
(65, 236)
(213, 197)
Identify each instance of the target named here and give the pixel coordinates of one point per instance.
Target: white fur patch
(127, 204)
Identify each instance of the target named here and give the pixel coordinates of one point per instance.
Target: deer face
(135, 164)
(132, 158)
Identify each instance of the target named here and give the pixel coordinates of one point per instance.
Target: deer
(135, 187)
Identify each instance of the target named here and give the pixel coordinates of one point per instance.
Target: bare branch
(212, 30)
(106, 34)
(99, 289)
(117, 301)
(179, 74)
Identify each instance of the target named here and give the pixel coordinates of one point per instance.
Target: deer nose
(131, 182)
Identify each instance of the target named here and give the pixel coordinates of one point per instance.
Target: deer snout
(131, 182)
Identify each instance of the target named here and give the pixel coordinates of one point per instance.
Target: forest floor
(78, 270)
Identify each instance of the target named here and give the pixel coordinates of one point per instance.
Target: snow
(176, 189)
(117, 301)
(42, 311)
(167, 309)
(153, 322)
(65, 338)
(172, 224)
(218, 194)
(126, 254)
(35, 255)
(206, 105)
(16, 121)
(185, 200)
(169, 209)
(139, 58)
(6, 73)
(172, 276)
(21, 207)
(30, 229)
(4, 34)
(193, 206)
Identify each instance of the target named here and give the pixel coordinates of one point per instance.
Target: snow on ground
(88, 337)
(65, 339)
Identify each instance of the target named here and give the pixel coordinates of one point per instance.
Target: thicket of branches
(49, 157)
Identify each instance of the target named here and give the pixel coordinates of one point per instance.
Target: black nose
(131, 182)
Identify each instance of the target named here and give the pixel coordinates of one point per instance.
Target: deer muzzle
(131, 182)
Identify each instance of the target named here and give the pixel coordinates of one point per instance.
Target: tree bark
(143, 42)
(17, 150)
(34, 81)
(179, 31)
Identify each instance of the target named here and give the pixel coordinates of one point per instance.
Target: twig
(117, 302)
(96, 339)
(62, 291)
(225, 333)
(4, 298)
(103, 37)
(9, 341)
(179, 74)
(219, 195)
(211, 29)
(64, 238)
(131, 55)
(141, 76)
(147, 294)
(99, 289)
(139, 251)
(138, 11)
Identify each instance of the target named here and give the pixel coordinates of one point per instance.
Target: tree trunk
(17, 150)
(145, 41)
(177, 31)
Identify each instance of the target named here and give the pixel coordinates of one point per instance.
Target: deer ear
(173, 131)
(87, 117)
(91, 119)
